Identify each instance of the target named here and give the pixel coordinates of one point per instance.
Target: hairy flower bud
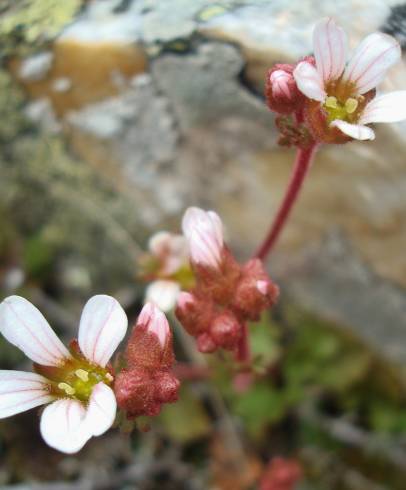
(167, 387)
(255, 291)
(206, 344)
(194, 313)
(150, 343)
(225, 330)
(135, 394)
(282, 93)
(147, 382)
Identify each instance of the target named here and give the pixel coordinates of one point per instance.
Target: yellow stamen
(82, 374)
(109, 377)
(351, 105)
(331, 102)
(66, 388)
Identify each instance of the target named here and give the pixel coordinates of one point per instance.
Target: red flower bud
(226, 330)
(255, 291)
(147, 383)
(282, 93)
(281, 474)
(150, 343)
(219, 283)
(167, 387)
(206, 344)
(135, 393)
(194, 313)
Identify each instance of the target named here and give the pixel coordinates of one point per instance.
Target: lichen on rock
(27, 24)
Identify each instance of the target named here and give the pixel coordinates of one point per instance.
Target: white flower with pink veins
(204, 233)
(75, 383)
(346, 91)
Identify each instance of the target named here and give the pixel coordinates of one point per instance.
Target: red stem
(299, 172)
(243, 350)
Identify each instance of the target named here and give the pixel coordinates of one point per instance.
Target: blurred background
(118, 114)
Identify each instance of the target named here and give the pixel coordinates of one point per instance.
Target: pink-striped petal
(23, 325)
(204, 233)
(356, 131)
(309, 81)
(371, 60)
(21, 391)
(385, 108)
(103, 325)
(163, 293)
(156, 322)
(62, 425)
(330, 49)
(101, 410)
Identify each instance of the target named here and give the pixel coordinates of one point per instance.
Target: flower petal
(356, 131)
(385, 108)
(101, 410)
(155, 321)
(23, 325)
(204, 233)
(163, 293)
(103, 325)
(20, 391)
(371, 60)
(330, 49)
(62, 426)
(309, 81)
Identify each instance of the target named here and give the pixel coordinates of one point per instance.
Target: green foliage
(264, 341)
(260, 406)
(186, 420)
(37, 256)
(318, 357)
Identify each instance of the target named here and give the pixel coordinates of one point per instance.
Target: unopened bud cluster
(226, 295)
(147, 381)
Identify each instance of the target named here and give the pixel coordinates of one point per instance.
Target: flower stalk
(304, 158)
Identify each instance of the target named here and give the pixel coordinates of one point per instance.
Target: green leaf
(185, 420)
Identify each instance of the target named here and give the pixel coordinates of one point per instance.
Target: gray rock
(204, 88)
(331, 281)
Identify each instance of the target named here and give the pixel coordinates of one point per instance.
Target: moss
(27, 24)
(11, 102)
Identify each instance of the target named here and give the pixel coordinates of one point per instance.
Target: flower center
(336, 109)
(79, 383)
(75, 379)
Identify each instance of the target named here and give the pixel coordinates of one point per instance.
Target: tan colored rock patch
(83, 73)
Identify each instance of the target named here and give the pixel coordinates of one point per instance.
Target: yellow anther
(331, 102)
(66, 388)
(109, 377)
(351, 105)
(82, 374)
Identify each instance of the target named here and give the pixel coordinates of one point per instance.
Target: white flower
(343, 89)
(74, 384)
(171, 254)
(171, 251)
(163, 293)
(204, 233)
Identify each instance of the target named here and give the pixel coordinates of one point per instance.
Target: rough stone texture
(332, 279)
(162, 103)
